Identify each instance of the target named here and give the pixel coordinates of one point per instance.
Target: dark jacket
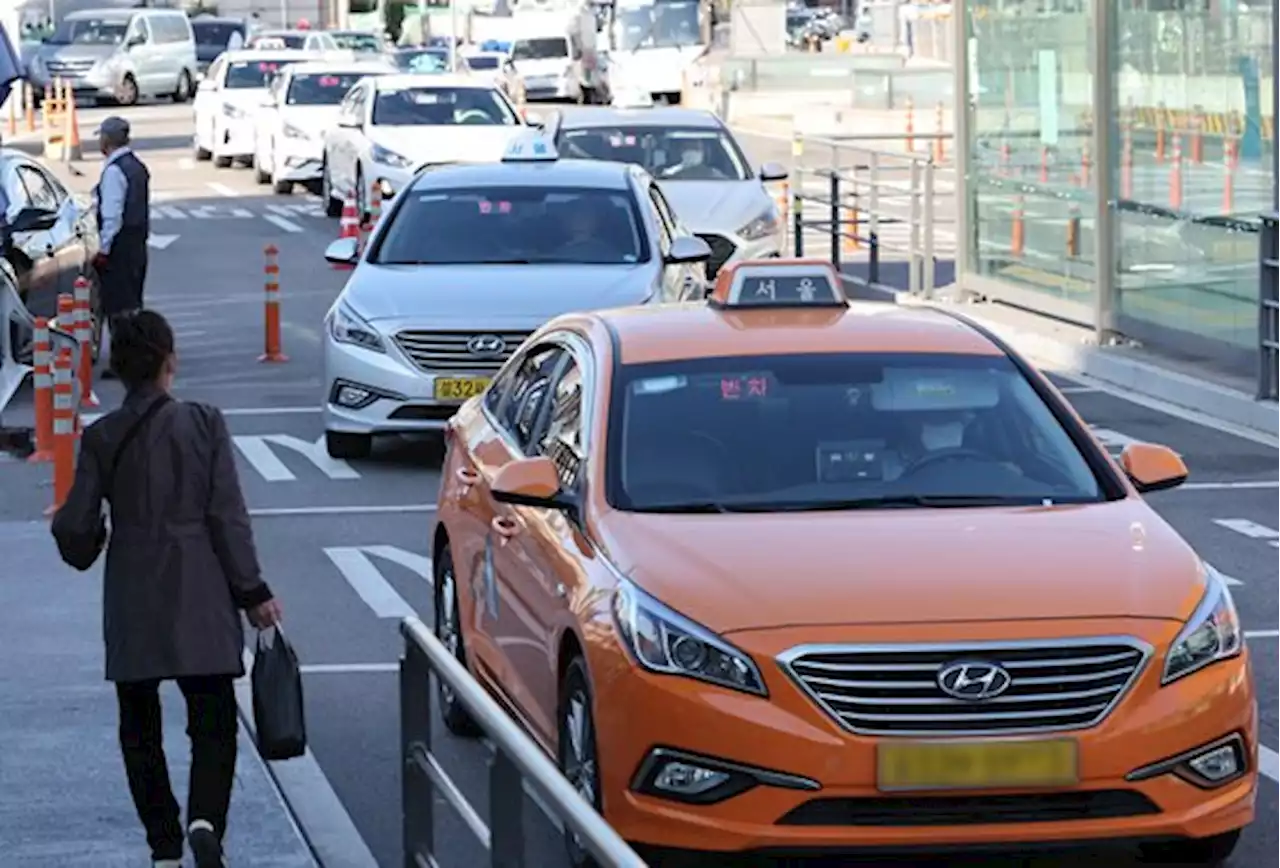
(180, 558)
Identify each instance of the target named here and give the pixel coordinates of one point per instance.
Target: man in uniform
(123, 206)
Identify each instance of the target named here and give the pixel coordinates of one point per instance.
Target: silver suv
(120, 54)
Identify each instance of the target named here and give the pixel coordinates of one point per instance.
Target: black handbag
(279, 718)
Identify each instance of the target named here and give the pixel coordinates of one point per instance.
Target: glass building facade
(1116, 156)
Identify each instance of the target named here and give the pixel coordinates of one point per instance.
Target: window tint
(483, 61)
(821, 430)
(39, 193)
(322, 89)
(442, 106)
(215, 32)
(429, 60)
(514, 226)
(247, 74)
(520, 416)
(562, 442)
(90, 31)
(667, 153)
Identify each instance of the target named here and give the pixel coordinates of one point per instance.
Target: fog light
(688, 780)
(352, 396)
(1216, 765)
(384, 187)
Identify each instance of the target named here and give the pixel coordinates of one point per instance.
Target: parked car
(120, 54)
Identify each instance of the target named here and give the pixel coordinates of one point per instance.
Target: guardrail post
(837, 224)
(797, 216)
(1268, 307)
(873, 259)
(873, 186)
(929, 260)
(506, 811)
(416, 797)
(913, 259)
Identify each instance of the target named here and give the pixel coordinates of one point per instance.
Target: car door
(691, 277)
(147, 60)
(339, 144)
(205, 104)
(66, 236)
(32, 253)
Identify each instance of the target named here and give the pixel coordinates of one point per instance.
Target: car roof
(697, 330)
(638, 117)
(106, 13)
(271, 53)
(416, 79)
(591, 174)
(338, 66)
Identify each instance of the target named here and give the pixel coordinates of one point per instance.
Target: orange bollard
(1017, 240)
(66, 318)
(271, 314)
(349, 227)
(1126, 162)
(1086, 164)
(1197, 136)
(1175, 176)
(1229, 171)
(64, 429)
(375, 205)
(84, 334)
(1161, 115)
(1073, 230)
(1044, 165)
(42, 374)
(939, 146)
(29, 106)
(911, 124)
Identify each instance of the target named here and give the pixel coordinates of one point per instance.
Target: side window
(142, 29)
(522, 407)
(38, 192)
(562, 442)
(664, 208)
(162, 26)
(58, 191)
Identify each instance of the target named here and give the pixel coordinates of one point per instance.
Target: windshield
(279, 40)
(441, 106)
(365, 43)
(540, 49)
(837, 431)
(660, 25)
(90, 31)
(213, 32)
(515, 225)
(321, 88)
(247, 74)
(429, 60)
(483, 62)
(667, 153)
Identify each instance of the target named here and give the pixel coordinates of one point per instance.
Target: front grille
(971, 809)
(69, 67)
(447, 351)
(894, 690)
(721, 249)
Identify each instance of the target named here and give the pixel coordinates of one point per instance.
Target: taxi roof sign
(778, 283)
(530, 149)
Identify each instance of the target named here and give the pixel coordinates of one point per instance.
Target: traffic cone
(73, 151)
(349, 227)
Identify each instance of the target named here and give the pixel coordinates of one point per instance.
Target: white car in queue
(390, 126)
(302, 102)
(472, 258)
(697, 163)
(229, 97)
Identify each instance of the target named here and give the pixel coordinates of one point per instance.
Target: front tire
(1209, 852)
(258, 175)
(448, 628)
(579, 758)
(127, 91)
(345, 446)
(183, 93)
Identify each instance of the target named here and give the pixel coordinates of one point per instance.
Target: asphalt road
(334, 537)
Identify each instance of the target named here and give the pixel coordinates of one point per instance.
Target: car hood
(915, 566)
(76, 52)
(446, 144)
(716, 206)
(519, 294)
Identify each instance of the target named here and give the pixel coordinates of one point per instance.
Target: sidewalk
(63, 797)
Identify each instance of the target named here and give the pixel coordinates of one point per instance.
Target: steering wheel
(956, 453)
(473, 116)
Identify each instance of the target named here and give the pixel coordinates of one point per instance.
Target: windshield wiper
(899, 501)
(702, 507)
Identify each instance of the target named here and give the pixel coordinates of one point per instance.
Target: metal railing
(515, 760)
(1268, 307)
(879, 202)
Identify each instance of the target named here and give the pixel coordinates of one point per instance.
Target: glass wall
(1030, 87)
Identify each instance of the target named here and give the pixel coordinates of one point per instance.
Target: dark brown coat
(180, 557)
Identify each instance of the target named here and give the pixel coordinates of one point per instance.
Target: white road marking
(1076, 390)
(285, 224)
(1112, 439)
(256, 449)
(368, 582)
(270, 411)
(1227, 486)
(160, 212)
(1269, 762)
(223, 190)
(1262, 634)
(1251, 529)
(420, 564)
(1231, 581)
(160, 242)
(183, 335)
(341, 510)
(347, 668)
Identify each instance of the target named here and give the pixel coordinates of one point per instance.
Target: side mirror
(773, 172)
(344, 251)
(1153, 467)
(34, 220)
(349, 123)
(687, 250)
(134, 41)
(531, 482)
(207, 84)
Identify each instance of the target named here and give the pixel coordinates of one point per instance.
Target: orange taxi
(779, 573)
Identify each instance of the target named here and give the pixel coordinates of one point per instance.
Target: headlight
(231, 111)
(662, 640)
(767, 222)
(292, 132)
(1212, 632)
(347, 328)
(390, 158)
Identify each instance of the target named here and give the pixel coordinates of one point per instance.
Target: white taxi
(228, 98)
(390, 126)
(302, 102)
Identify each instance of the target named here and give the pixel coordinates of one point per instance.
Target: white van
(120, 54)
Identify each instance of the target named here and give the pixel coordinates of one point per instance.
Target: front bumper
(301, 162)
(789, 737)
(94, 82)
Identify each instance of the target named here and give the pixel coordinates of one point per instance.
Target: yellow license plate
(961, 765)
(459, 388)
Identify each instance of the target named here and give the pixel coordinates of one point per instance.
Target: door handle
(505, 528)
(467, 476)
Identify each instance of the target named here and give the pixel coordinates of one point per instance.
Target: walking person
(123, 207)
(181, 566)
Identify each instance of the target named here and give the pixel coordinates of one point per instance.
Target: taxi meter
(530, 149)
(778, 283)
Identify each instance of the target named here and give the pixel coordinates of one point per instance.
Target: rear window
(214, 32)
(837, 431)
(482, 62)
(514, 226)
(442, 106)
(247, 74)
(423, 61)
(321, 88)
(540, 49)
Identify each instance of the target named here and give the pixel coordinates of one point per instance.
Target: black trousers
(122, 280)
(212, 725)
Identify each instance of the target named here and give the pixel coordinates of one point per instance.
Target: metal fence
(1268, 306)
(516, 759)
(870, 207)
